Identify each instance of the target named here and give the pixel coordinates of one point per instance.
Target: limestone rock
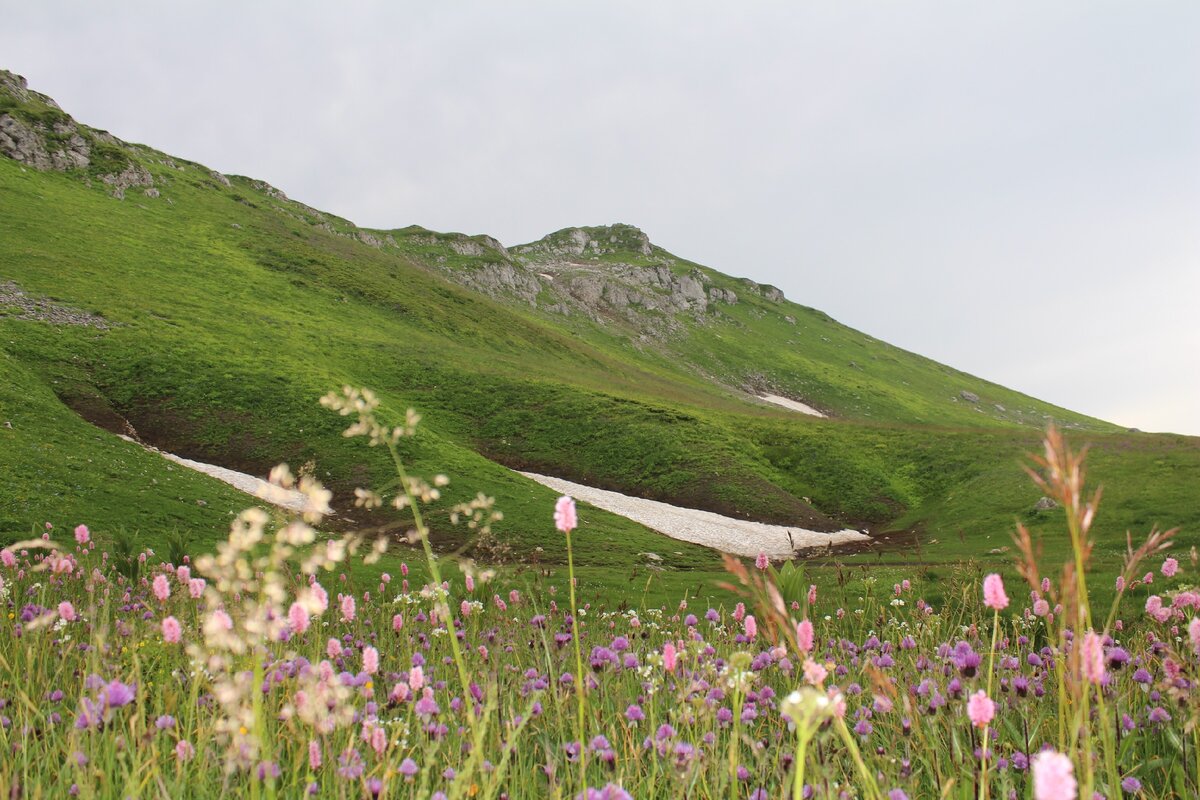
(727, 296)
(21, 143)
(133, 175)
(970, 397)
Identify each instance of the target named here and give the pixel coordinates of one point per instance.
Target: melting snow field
(284, 498)
(737, 536)
(794, 405)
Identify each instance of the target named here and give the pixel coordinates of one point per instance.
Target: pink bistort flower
(82, 535)
(1169, 568)
(564, 514)
(762, 562)
(1091, 657)
(298, 618)
(370, 659)
(171, 630)
(993, 593)
(669, 657)
(750, 624)
(804, 635)
(66, 611)
(162, 589)
(1053, 776)
(981, 709)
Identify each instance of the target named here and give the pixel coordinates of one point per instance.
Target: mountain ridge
(591, 354)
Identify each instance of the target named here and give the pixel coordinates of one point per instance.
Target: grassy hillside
(205, 314)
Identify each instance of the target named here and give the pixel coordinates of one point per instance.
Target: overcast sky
(1010, 188)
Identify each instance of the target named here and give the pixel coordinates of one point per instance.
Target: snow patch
(290, 499)
(728, 534)
(794, 405)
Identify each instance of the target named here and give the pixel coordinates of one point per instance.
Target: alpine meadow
(970, 593)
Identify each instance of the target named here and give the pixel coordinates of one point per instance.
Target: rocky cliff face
(605, 273)
(35, 131)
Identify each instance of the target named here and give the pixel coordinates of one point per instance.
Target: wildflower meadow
(263, 671)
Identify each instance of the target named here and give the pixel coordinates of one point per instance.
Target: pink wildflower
(812, 594)
(1120, 583)
(370, 659)
(1148, 578)
(564, 514)
(1155, 608)
(1053, 776)
(320, 599)
(739, 612)
(184, 750)
(814, 673)
(762, 562)
(66, 611)
(751, 626)
(385, 578)
(333, 648)
(397, 622)
(196, 588)
(1169, 568)
(314, 755)
(669, 657)
(348, 608)
(1194, 634)
(981, 709)
(171, 630)
(416, 678)
(1091, 657)
(993, 593)
(464, 608)
(7, 558)
(379, 740)
(1041, 607)
(470, 581)
(82, 535)
(183, 574)
(804, 635)
(162, 589)
(298, 618)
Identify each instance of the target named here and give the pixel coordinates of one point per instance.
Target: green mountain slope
(141, 293)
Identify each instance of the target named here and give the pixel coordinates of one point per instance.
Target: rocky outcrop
(500, 279)
(727, 296)
(591, 242)
(133, 175)
(61, 148)
(478, 246)
(25, 306)
(603, 273)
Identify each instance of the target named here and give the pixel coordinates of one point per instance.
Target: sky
(1010, 188)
